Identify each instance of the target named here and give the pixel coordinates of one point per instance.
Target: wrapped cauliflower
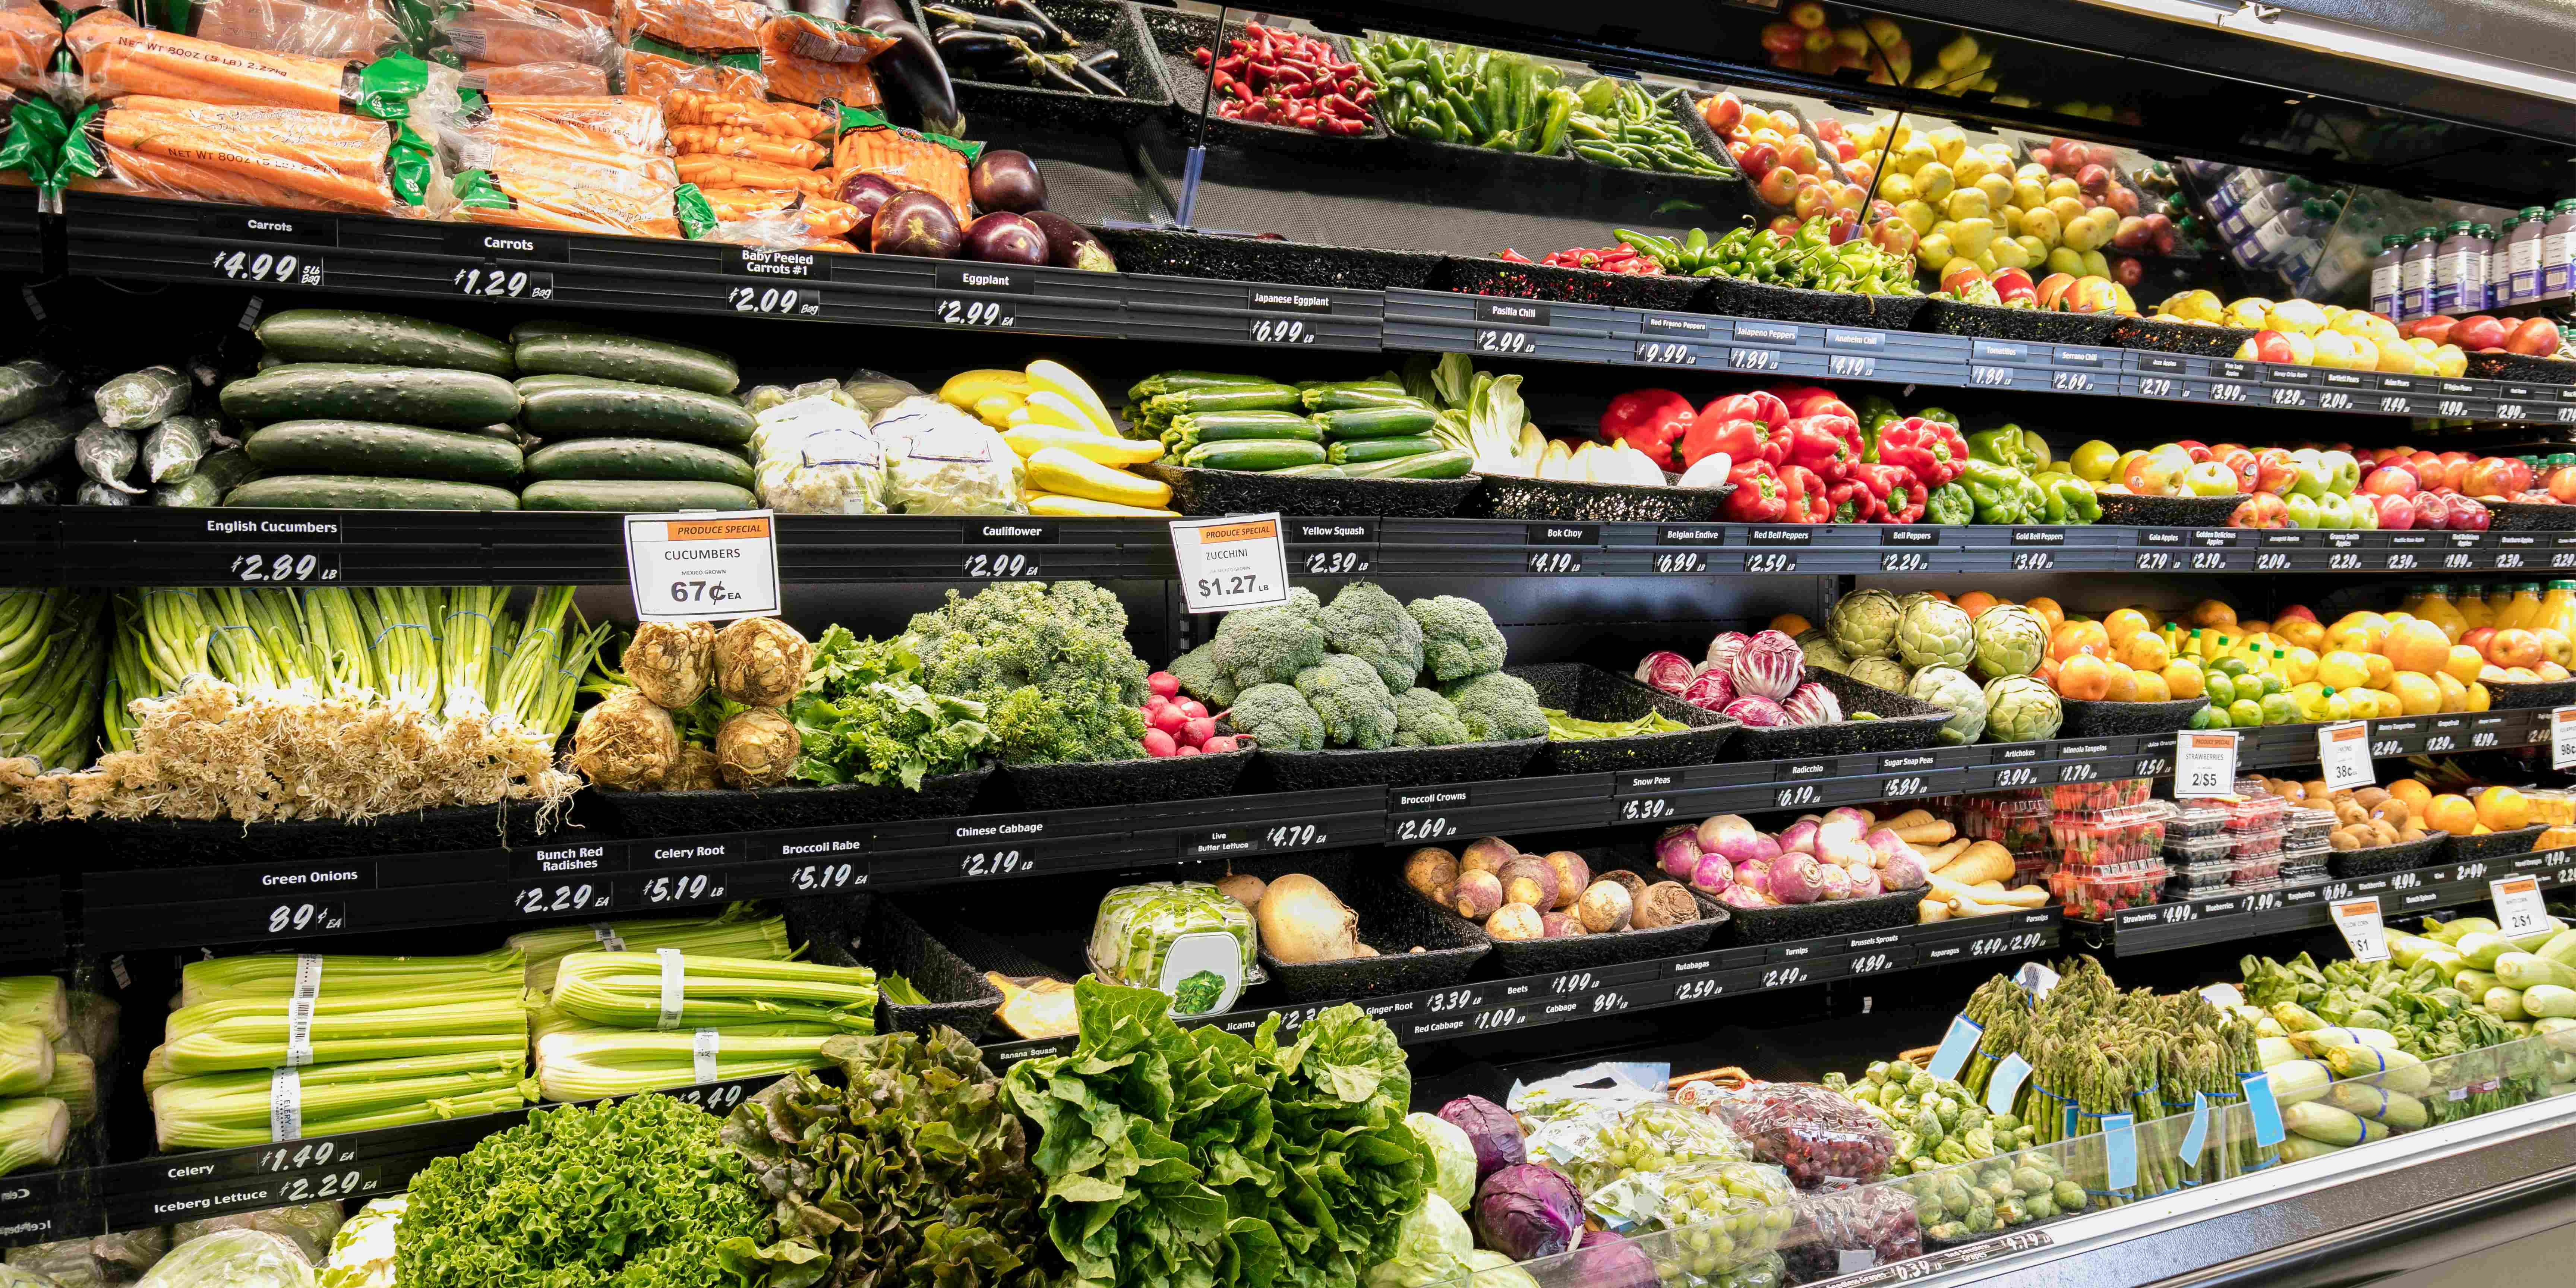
(939, 460)
(818, 456)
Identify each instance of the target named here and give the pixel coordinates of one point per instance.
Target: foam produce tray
(2496, 845)
(1904, 724)
(1489, 276)
(1175, 34)
(1995, 322)
(2521, 366)
(2521, 694)
(1093, 24)
(1217, 492)
(2531, 516)
(1474, 762)
(2178, 337)
(2110, 719)
(1590, 693)
(1508, 497)
(694, 812)
(1732, 298)
(1128, 782)
(1391, 921)
(1839, 917)
(1180, 252)
(165, 842)
(2388, 858)
(2168, 511)
(1583, 952)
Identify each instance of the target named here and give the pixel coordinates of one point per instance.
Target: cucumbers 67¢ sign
(702, 567)
(1225, 564)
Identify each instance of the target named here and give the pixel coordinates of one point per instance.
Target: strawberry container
(2093, 894)
(2104, 838)
(2117, 793)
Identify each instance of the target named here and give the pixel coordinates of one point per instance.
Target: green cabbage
(232, 1259)
(1453, 1158)
(1494, 1270)
(1431, 1245)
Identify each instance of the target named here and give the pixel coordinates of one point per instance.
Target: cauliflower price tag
(2519, 908)
(2344, 751)
(1226, 564)
(2205, 763)
(702, 567)
(2358, 919)
(2562, 738)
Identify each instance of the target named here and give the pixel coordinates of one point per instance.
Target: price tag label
(1956, 1046)
(2120, 1149)
(2344, 751)
(2562, 738)
(2519, 908)
(1227, 564)
(702, 567)
(2358, 919)
(2037, 978)
(2197, 1135)
(2204, 762)
(2265, 1107)
(2005, 1084)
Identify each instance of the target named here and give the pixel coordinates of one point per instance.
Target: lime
(2278, 709)
(2229, 666)
(2272, 683)
(2245, 713)
(2209, 717)
(2220, 687)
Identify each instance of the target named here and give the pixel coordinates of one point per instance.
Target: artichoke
(1944, 686)
(2011, 640)
(2021, 708)
(1881, 672)
(1821, 653)
(1863, 624)
(1934, 633)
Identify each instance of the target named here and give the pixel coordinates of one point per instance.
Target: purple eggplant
(915, 223)
(914, 66)
(1007, 180)
(868, 192)
(1005, 238)
(1070, 245)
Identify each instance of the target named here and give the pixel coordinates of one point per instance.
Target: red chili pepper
(1231, 63)
(1342, 106)
(1344, 127)
(1201, 55)
(1240, 91)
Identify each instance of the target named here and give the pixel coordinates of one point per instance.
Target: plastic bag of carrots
(119, 58)
(811, 216)
(658, 74)
(514, 32)
(692, 107)
(628, 121)
(313, 28)
(31, 57)
(538, 201)
(816, 60)
(932, 163)
(536, 78)
(264, 156)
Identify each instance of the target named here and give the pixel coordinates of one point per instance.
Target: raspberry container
(2095, 797)
(2197, 819)
(2100, 839)
(2255, 811)
(2259, 870)
(2093, 894)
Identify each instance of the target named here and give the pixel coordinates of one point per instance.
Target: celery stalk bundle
(728, 934)
(33, 1133)
(252, 1033)
(273, 975)
(223, 1110)
(37, 1000)
(587, 1064)
(625, 990)
(75, 1083)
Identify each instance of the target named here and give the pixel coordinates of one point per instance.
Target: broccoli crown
(1370, 624)
(1303, 603)
(1277, 719)
(1425, 719)
(1266, 645)
(1356, 708)
(1196, 670)
(1459, 638)
(1496, 707)
(1056, 658)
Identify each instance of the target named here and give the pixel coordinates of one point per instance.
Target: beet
(1007, 180)
(915, 223)
(1005, 238)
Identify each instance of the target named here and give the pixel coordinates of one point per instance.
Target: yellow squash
(1069, 473)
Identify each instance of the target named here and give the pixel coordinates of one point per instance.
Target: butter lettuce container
(1186, 938)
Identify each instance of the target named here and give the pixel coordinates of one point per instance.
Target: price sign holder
(702, 567)
(2520, 910)
(2562, 738)
(1956, 1046)
(2009, 1074)
(2204, 762)
(2358, 919)
(2344, 752)
(1226, 564)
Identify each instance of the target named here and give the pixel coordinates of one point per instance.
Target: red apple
(2091, 295)
(2477, 638)
(1722, 112)
(2490, 477)
(2051, 289)
(2127, 271)
(2436, 328)
(2562, 485)
(2013, 284)
(2478, 332)
(1780, 187)
(1786, 225)
(2197, 450)
(2272, 346)
(1807, 201)
(2122, 200)
(2432, 510)
(2536, 337)
(2240, 461)
(2430, 472)
(2044, 157)
(2261, 510)
(2395, 511)
(2300, 611)
(1895, 236)
(2467, 515)
(1828, 129)
(1784, 37)
(2390, 480)
(2274, 471)
(2093, 180)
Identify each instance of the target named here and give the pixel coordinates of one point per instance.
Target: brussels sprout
(2070, 1196)
(2030, 1180)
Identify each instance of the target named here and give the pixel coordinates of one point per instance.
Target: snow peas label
(1956, 1046)
(2120, 1148)
(2006, 1082)
(2267, 1111)
(2196, 1135)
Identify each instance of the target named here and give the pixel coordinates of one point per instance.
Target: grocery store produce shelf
(145, 239)
(2224, 915)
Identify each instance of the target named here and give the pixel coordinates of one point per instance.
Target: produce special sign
(702, 567)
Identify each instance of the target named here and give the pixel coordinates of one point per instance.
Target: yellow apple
(2449, 361)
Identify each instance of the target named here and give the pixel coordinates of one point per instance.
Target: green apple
(2209, 478)
(2311, 481)
(2365, 514)
(2302, 509)
(2334, 510)
(2343, 473)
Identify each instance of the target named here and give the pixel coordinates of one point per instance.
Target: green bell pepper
(2002, 494)
(1875, 413)
(2007, 445)
(1941, 414)
(2070, 499)
(1949, 503)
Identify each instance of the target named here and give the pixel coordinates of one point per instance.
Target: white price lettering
(1489, 340)
(824, 876)
(2335, 400)
(539, 900)
(1904, 561)
(2155, 560)
(1798, 794)
(2016, 776)
(312, 1153)
(976, 313)
(246, 266)
(2508, 559)
(1697, 990)
(1329, 563)
(997, 863)
(1423, 829)
(293, 918)
(1680, 561)
(2456, 559)
(283, 567)
(2282, 397)
(1281, 331)
(2158, 387)
(1898, 787)
(1771, 561)
(2224, 391)
(502, 284)
(2034, 560)
(2395, 404)
(1753, 359)
(1577, 982)
(1289, 836)
(1501, 1018)
(1989, 377)
(2451, 407)
(1000, 564)
(1871, 964)
(2206, 560)
(1613, 1000)
(2071, 382)
(774, 301)
(1636, 810)
(1851, 366)
(1666, 353)
(1783, 976)
(2510, 411)
(690, 887)
(2271, 561)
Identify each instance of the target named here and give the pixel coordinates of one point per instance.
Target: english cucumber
(559, 407)
(638, 459)
(635, 495)
(384, 450)
(1446, 464)
(350, 335)
(370, 391)
(620, 357)
(1254, 454)
(353, 492)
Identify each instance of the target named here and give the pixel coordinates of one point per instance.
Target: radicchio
(1722, 650)
(1814, 704)
(1770, 666)
(1709, 690)
(1667, 671)
(1677, 852)
(1758, 713)
(1796, 878)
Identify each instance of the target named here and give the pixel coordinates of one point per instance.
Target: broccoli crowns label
(1226, 564)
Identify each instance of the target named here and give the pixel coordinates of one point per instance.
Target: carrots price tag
(2343, 750)
(2519, 908)
(2204, 762)
(2358, 919)
(2562, 738)
(1226, 564)
(702, 567)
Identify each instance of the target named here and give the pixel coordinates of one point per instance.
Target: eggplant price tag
(1956, 1046)
(2005, 1083)
(2358, 919)
(2562, 738)
(2196, 1135)
(702, 567)
(1226, 564)
(2519, 908)
(2267, 1111)
(2120, 1149)
(2343, 750)
(2204, 762)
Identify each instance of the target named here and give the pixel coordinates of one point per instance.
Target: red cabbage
(1759, 713)
(1667, 671)
(1770, 666)
(1527, 1211)
(1492, 1129)
(1710, 689)
(1605, 1259)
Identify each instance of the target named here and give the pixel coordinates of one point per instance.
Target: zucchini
(370, 391)
(1173, 382)
(585, 407)
(1350, 395)
(1218, 426)
(1377, 422)
(383, 450)
(1255, 454)
(636, 496)
(1270, 397)
(1449, 463)
(638, 459)
(350, 335)
(353, 492)
(1360, 451)
(626, 357)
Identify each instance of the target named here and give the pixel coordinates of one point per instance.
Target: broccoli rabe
(1458, 637)
(1356, 708)
(1497, 708)
(1425, 719)
(1277, 719)
(1371, 625)
(1266, 645)
(1196, 670)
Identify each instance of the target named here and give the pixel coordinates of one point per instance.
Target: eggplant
(1005, 238)
(913, 64)
(915, 223)
(868, 192)
(834, 10)
(1105, 60)
(951, 18)
(1070, 245)
(1007, 180)
(984, 49)
(1053, 36)
(1091, 79)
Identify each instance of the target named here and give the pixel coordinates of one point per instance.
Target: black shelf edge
(2222, 916)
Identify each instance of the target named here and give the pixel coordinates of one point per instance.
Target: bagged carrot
(267, 156)
(520, 201)
(657, 74)
(932, 163)
(313, 28)
(750, 145)
(815, 60)
(630, 122)
(692, 107)
(536, 78)
(118, 57)
(693, 26)
(512, 32)
(819, 216)
(734, 172)
(31, 57)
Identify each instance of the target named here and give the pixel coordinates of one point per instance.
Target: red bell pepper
(1745, 440)
(1764, 407)
(1852, 502)
(1757, 497)
(1812, 400)
(1806, 494)
(1935, 452)
(1829, 445)
(1900, 495)
(1650, 420)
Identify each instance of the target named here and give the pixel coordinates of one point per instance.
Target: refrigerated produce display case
(1004, 643)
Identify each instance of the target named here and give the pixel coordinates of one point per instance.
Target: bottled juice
(2481, 263)
(2558, 608)
(2556, 279)
(2499, 290)
(2383, 275)
(2468, 612)
(2415, 274)
(2436, 607)
(2522, 612)
(2498, 594)
(2522, 255)
(2455, 262)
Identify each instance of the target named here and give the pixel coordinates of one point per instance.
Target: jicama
(271, 975)
(224, 1110)
(588, 1063)
(32, 1133)
(628, 990)
(254, 1033)
(729, 934)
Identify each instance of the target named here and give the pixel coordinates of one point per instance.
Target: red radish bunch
(1177, 725)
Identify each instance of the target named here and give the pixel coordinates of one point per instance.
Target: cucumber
(1377, 422)
(1218, 426)
(549, 328)
(352, 492)
(370, 391)
(349, 335)
(1254, 454)
(380, 449)
(566, 407)
(635, 495)
(621, 357)
(1448, 464)
(1360, 451)
(638, 459)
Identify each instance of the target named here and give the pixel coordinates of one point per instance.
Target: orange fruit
(2503, 809)
(2413, 792)
(2301, 631)
(2047, 672)
(2049, 611)
(1943, 596)
(2155, 620)
(2213, 612)
(2420, 647)
(2455, 695)
(2152, 688)
(2417, 695)
(2452, 814)
(2371, 628)
(2120, 625)
(2079, 637)
(2550, 671)
(2146, 652)
(2183, 679)
(1977, 601)
(2124, 683)
(1791, 624)
(2083, 677)
(2463, 663)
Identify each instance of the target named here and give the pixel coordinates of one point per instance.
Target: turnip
(1303, 921)
(1833, 883)
(1677, 852)
(1713, 872)
(1795, 877)
(1799, 837)
(1714, 830)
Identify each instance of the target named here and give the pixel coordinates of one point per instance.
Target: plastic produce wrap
(658, 76)
(309, 1226)
(817, 457)
(30, 36)
(908, 159)
(629, 122)
(118, 57)
(530, 201)
(528, 148)
(939, 460)
(1137, 925)
(708, 45)
(736, 172)
(342, 29)
(1723, 1214)
(568, 79)
(762, 398)
(1820, 1137)
(691, 107)
(1649, 1137)
(515, 32)
(814, 60)
(1846, 1231)
(751, 145)
(874, 391)
(280, 156)
(232, 1259)
(781, 220)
